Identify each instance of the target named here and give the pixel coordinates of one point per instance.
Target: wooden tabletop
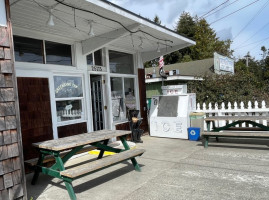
(237, 118)
(78, 140)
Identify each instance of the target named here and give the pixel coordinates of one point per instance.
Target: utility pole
(247, 57)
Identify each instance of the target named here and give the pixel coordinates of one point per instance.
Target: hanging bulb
(91, 33)
(158, 48)
(141, 43)
(50, 21)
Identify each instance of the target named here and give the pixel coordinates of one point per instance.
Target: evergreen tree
(157, 20)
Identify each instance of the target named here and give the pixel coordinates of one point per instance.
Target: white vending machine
(169, 115)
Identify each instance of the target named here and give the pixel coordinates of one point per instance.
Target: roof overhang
(112, 27)
(174, 78)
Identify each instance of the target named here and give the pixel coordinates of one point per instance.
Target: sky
(248, 28)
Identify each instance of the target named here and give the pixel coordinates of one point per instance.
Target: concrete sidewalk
(174, 169)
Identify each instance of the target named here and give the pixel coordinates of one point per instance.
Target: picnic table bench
(73, 144)
(257, 130)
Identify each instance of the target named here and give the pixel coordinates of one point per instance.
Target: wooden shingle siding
(12, 178)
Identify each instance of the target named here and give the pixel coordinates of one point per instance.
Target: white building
(76, 62)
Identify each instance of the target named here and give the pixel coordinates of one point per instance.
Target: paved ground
(174, 169)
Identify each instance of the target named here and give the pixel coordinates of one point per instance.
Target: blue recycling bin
(194, 133)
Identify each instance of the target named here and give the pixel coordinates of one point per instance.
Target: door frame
(104, 85)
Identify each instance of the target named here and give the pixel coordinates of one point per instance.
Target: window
(97, 55)
(59, 54)
(33, 50)
(123, 100)
(121, 63)
(69, 98)
(28, 50)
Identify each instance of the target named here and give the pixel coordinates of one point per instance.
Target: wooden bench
(236, 134)
(97, 165)
(56, 151)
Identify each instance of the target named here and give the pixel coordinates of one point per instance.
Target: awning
(112, 26)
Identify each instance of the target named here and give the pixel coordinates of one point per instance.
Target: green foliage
(157, 20)
(242, 86)
(206, 41)
(186, 25)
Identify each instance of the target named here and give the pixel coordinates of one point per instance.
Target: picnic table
(74, 144)
(257, 130)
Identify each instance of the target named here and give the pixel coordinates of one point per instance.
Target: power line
(221, 8)
(232, 12)
(253, 35)
(214, 8)
(88, 11)
(259, 43)
(259, 11)
(262, 40)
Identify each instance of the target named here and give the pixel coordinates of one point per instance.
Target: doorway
(97, 102)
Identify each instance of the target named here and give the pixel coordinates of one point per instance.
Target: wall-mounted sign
(97, 68)
(3, 16)
(223, 64)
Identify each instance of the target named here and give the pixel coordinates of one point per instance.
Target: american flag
(161, 64)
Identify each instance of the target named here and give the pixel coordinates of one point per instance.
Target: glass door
(97, 102)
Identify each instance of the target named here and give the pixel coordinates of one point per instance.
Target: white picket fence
(252, 109)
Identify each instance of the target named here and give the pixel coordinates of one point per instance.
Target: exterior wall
(12, 179)
(79, 68)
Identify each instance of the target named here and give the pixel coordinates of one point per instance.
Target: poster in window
(116, 107)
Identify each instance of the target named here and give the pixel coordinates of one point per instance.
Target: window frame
(134, 77)
(133, 63)
(93, 58)
(82, 99)
(44, 52)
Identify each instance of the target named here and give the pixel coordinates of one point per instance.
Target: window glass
(121, 63)
(68, 110)
(117, 98)
(28, 49)
(89, 59)
(68, 86)
(59, 54)
(98, 57)
(130, 101)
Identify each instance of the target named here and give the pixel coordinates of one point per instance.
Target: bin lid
(197, 114)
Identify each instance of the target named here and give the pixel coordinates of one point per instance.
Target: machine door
(97, 102)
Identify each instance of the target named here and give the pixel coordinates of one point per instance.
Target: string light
(158, 48)
(141, 43)
(50, 21)
(91, 33)
(88, 11)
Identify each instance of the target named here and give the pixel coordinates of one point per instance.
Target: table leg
(37, 170)
(206, 142)
(126, 146)
(69, 187)
(208, 125)
(102, 150)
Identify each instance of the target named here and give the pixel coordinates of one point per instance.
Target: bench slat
(48, 158)
(102, 163)
(237, 134)
(251, 118)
